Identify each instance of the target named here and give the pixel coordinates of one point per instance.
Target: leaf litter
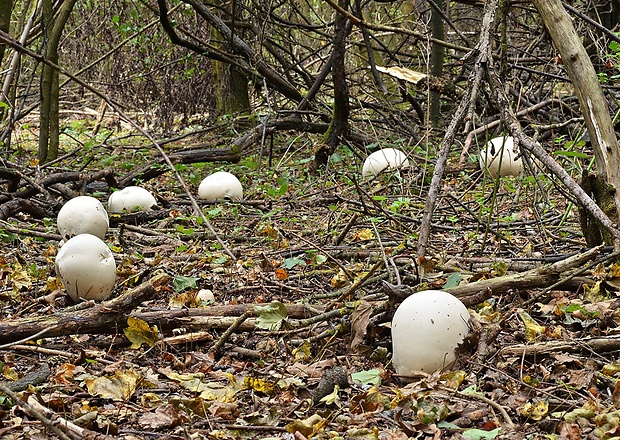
(532, 369)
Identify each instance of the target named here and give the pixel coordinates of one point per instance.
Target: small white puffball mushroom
(426, 329)
(131, 199)
(205, 296)
(388, 158)
(499, 158)
(82, 215)
(220, 185)
(86, 268)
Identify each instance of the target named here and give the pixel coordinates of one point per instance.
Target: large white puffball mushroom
(220, 185)
(82, 215)
(86, 268)
(498, 158)
(388, 158)
(426, 329)
(131, 199)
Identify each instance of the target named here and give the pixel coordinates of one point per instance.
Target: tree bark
(437, 55)
(49, 93)
(6, 6)
(340, 116)
(103, 318)
(231, 84)
(592, 102)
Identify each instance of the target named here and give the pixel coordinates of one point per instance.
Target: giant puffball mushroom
(131, 199)
(220, 185)
(388, 158)
(426, 329)
(498, 158)
(82, 215)
(86, 267)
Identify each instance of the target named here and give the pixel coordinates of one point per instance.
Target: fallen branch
(104, 318)
(586, 345)
(543, 276)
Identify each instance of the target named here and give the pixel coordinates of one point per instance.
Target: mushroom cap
(86, 268)
(220, 185)
(82, 215)
(131, 199)
(387, 158)
(426, 329)
(498, 158)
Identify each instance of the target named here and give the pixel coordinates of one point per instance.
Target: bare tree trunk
(6, 7)
(437, 56)
(231, 84)
(593, 106)
(340, 116)
(48, 117)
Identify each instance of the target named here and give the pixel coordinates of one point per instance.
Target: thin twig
(34, 413)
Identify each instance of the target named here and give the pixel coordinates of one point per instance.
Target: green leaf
(180, 283)
(368, 377)
(577, 154)
(183, 230)
(320, 258)
(290, 263)
(453, 280)
(271, 316)
(478, 434)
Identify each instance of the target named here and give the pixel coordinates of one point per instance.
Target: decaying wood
(158, 166)
(585, 345)
(69, 176)
(543, 276)
(71, 429)
(111, 316)
(12, 207)
(217, 316)
(104, 318)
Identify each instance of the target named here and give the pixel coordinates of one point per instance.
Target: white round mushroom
(131, 199)
(387, 158)
(426, 329)
(220, 185)
(86, 267)
(498, 158)
(82, 215)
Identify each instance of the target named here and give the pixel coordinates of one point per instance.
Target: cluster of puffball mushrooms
(427, 327)
(84, 263)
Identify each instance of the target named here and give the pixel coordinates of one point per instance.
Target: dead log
(12, 207)
(159, 166)
(220, 317)
(584, 345)
(69, 176)
(543, 276)
(85, 318)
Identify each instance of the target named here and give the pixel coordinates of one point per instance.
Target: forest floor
(289, 337)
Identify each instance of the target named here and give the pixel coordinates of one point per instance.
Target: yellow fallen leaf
(339, 280)
(10, 373)
(121, 386)
(302, 352)
(138, 332)
(308, 427)
(535, 412)
(532, 329)
(332, 397)
(363, 235)
(19, 277)
(403, 73)
(260, 385)
(208, 390)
